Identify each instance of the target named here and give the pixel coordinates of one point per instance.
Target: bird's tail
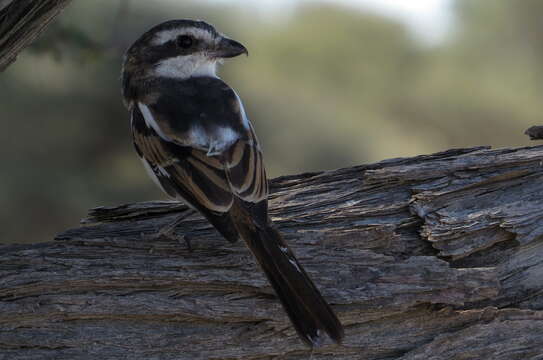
(302, 301)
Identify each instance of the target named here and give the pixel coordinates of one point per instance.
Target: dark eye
(185, 41)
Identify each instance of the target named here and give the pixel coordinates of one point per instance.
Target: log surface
(432, 257)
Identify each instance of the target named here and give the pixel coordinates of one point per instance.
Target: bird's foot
(168, 231)
(171, 235)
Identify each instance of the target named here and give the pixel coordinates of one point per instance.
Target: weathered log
(432, 257)
(21, 22)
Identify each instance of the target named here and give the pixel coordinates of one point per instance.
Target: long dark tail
(305, 306)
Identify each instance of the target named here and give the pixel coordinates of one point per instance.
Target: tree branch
(432, 257)
(21, 22)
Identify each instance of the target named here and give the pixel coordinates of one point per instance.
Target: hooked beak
(228, 48)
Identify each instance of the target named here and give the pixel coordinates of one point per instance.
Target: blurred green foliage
(326, 87)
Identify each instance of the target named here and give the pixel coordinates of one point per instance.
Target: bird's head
(180, 49)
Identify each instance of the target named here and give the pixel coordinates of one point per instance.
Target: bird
(192, 133)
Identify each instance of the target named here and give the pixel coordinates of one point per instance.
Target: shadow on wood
(432, 257)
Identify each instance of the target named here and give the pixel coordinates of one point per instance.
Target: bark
(432, 257)
(21, 22)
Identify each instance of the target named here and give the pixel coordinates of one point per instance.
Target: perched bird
(196, 142)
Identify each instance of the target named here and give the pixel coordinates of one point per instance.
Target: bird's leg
(168, 231)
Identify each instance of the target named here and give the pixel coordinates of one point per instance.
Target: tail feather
(302, 301)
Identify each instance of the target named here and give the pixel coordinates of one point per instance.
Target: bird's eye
(184, 41)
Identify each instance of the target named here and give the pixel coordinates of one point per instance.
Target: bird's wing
(181, 170)
(245, 169)
(206, 156)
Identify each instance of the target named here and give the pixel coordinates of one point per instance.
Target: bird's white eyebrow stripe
(167, 35)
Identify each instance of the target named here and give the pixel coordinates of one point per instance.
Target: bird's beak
(228, 48)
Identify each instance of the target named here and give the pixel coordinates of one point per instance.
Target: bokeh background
(328, 84)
